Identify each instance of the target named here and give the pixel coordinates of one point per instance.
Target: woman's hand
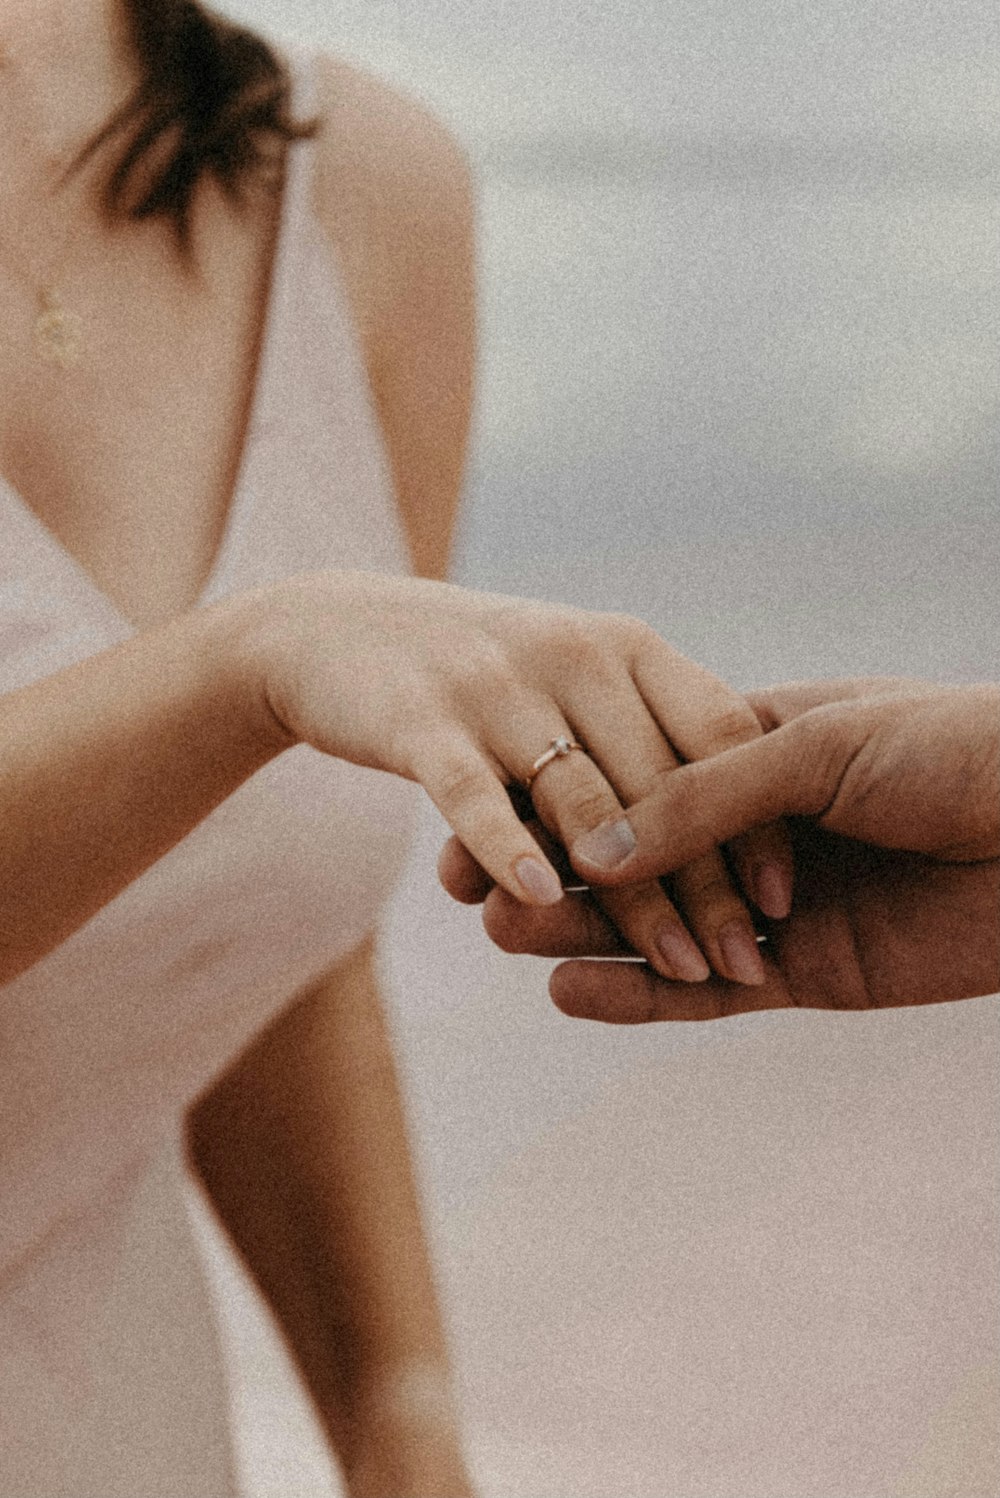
(894, 787)
(464, 691)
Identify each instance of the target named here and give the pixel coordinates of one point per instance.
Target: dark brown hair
(212, 97)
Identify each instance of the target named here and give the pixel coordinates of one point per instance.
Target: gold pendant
(58, 332)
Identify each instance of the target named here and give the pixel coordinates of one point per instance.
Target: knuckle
(649, 644)
(585, 807)
(626, 639)
(706, 885)
(764, 706)
(648, 999)
(635, 903)
(638, 634)
(414, 741)
(459, 781)
(580, 645)
(681, 793)
(820, 761)
(733, 726)
(624, 623)
(481, 673)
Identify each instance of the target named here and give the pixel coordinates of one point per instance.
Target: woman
(186, 908)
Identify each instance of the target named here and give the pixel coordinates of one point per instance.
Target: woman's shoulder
(392, 190)
(391, 187)
(376, 138)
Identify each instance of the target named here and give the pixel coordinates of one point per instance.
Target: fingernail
(606, 846)
(772, 890)
(679, 951)
(538, 881)
(739, 952)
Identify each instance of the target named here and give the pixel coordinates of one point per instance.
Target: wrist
(240, 629)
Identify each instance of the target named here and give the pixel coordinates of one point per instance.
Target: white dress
(112, 1383)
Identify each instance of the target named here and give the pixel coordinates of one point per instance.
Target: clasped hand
(892, 790)
(887, 792)
(465, 691)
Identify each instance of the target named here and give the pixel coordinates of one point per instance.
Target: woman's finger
(629, 746)
(703, 717)
(571, 794)
(700, 714)
(468, 882)
(469, 792)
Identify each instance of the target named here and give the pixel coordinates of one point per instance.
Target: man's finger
(793, 771)
(463, 878)
(777, 705)
(576, 927)
(630, 993)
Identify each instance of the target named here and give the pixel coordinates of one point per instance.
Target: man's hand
(893, 791)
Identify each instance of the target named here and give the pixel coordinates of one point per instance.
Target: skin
(893, 788)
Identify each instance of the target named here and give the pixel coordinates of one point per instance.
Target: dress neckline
(293, 189)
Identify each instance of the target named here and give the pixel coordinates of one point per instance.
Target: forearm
(303, 1147)
(105, 766)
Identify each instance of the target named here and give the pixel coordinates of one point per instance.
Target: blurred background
(740, 278)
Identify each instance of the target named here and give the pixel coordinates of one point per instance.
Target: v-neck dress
(112, 1383)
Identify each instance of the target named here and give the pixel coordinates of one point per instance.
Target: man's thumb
(708, 802)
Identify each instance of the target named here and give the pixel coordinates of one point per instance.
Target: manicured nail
(772, 890)
(740, 954)
(606, 846)
(538, 881)
(679, 951)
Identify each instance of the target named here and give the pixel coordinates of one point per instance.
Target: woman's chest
(130, 454)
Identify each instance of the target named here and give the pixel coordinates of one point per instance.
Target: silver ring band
(558, 749)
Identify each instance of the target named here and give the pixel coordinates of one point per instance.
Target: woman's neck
(64, 66)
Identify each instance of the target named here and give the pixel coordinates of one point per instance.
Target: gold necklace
(58, 331)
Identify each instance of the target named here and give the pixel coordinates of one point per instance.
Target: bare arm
(107, 765)
(394, 192)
